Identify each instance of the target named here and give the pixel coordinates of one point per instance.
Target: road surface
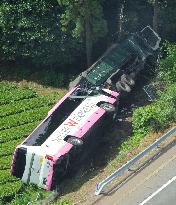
(154, 185)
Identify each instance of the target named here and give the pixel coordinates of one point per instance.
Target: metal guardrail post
(119, 171)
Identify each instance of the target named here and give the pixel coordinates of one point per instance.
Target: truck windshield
(107, 65)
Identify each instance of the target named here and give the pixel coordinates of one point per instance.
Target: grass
(22, 106)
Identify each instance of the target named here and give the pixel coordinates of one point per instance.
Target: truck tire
(127, 79)
(133, 75)
(122, 86)
(74, 141)
(107, 106)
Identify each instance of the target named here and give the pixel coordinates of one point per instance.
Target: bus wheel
(74, 141)
(107, 106)
(122, 86)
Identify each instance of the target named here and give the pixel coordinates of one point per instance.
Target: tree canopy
(59, 33)
(31, 30)
(85, 17)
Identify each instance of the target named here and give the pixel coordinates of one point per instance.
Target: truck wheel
(107, 106)
(74, 141)
(127, 79)
(122, 86)
(133, 75)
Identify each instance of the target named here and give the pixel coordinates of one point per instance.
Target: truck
(75, 125)
(121, 63)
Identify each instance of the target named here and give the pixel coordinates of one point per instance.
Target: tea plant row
(23, 118)
(10, 96)
(20, 112)
(24, 105)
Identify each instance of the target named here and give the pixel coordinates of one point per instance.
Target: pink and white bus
(65, 137)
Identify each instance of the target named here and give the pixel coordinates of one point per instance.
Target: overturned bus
(74, 126)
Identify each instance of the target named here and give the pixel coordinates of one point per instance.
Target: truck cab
(120, 65)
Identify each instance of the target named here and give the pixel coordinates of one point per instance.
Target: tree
(31, 31)
(155, 15)
(156, 11)
(167, 20)
(85, 19)
(133, 15)
(120, 18)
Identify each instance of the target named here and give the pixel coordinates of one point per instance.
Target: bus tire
(74, 141)
(122, 86)
(127, 79)
(108, 107)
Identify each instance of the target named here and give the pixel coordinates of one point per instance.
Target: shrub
(31, 31)
(167, 65)
(157, 115)
(63, 202)
(144, 119)
(51, 78)
(166, 106)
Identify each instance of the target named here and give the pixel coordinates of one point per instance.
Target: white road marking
(165, 164)
(159, 190)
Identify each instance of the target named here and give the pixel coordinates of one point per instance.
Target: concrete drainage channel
(100, 186)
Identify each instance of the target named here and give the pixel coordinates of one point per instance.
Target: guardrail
(120, 171)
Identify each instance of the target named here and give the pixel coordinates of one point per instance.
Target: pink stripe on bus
(50, 175)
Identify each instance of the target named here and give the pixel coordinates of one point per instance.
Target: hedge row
(20, 112)
(5, 177)
(5, 162)
(24, 105)
(23, 118)
(30, 194)
(18, 132)
(7, 86)
(9, 190)
(14, 95)
(8, 148)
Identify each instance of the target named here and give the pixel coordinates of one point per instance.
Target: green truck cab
(119, 66)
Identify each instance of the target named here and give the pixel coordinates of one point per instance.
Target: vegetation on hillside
(59, 35)
(161, 113)
(21, 109)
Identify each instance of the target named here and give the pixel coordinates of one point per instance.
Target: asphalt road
(154, 185)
